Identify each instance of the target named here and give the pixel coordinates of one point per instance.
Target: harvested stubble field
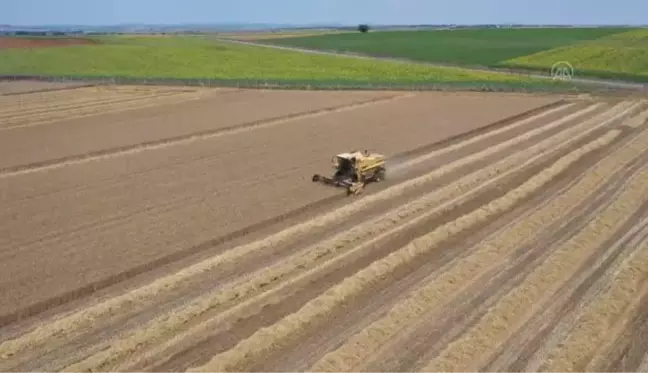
(511, 234)
(10, 87)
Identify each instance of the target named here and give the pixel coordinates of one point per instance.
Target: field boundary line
(276, 334)
(377, 228)
(184, 139)
(566, 254)
(433, 296)
(207, 265)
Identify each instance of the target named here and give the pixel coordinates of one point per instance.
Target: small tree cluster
(363, 28)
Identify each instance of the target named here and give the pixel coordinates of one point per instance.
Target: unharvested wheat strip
(596, 323)
(84, 318)
(467, 352)
(432, 297)
(275, 335)
(367, 233)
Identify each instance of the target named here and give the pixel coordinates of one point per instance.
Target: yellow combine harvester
(353, 170)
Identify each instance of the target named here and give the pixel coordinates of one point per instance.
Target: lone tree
(363, 28)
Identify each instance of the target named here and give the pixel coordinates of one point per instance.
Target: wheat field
(168, 229)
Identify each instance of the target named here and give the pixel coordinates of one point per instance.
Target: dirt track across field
(168, 229)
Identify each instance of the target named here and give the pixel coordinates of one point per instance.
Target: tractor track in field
(434, 269)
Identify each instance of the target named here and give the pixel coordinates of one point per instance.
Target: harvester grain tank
(355, 169)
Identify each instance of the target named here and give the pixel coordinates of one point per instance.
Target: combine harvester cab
(353, 170)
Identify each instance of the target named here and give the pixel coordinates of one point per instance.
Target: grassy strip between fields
(187, 59)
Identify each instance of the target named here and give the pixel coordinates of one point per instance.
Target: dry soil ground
(171, 229)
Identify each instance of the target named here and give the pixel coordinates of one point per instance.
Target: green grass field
(201, 58)
(619, 56)
(599, 52)
(483, 47)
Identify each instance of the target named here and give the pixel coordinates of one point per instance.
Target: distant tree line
(41, 33)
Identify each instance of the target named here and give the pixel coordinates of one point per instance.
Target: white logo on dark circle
(562, 70)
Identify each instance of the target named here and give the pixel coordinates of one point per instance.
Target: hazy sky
(95, 12)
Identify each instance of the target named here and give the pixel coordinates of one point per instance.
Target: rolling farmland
(177, 229)
(609, 53)
(481, 47)
(621, 56)
(199, 58)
